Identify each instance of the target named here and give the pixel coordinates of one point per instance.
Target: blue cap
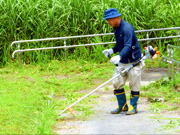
(111, 13)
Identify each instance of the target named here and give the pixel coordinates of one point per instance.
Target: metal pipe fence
(19, 51)
(170, 60)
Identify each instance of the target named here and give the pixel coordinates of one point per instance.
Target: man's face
(111, 22)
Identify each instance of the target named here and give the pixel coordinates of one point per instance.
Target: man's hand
(108, 52)
(115, 59)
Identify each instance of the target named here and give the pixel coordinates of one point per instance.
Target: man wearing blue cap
(129, 51)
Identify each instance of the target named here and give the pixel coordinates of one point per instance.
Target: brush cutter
(150, 52)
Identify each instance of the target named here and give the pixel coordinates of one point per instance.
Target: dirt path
(105, 123)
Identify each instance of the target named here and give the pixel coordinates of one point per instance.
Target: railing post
(65, 50)
(19, 55)
(169, 66)
(172, 64)
(179, 40)
(147, 36)
(179, 35)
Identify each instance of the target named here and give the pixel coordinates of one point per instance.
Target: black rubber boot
(133, 103)
(121, 98)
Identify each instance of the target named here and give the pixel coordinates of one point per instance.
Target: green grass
(24, 93)
(25, 90)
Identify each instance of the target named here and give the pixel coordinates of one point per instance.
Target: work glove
(115, 59)
(108, 52)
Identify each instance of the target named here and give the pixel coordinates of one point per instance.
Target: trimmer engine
(151, 52)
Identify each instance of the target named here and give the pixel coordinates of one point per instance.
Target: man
(129, 51)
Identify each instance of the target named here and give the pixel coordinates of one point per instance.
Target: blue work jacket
(126, 43)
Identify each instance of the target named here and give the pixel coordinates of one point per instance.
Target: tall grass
(25, 19)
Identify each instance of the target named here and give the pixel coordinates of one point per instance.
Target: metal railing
(19, 51)
(170, 60)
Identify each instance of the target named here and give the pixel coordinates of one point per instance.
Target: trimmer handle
(109, 56)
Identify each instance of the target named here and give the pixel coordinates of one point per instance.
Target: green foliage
(25, 19)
